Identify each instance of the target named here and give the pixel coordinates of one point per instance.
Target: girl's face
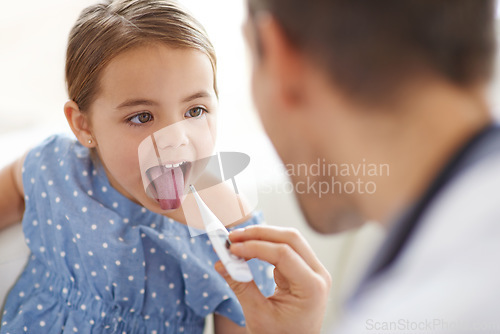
(159, 94)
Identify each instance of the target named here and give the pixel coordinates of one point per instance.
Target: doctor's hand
(302, 282)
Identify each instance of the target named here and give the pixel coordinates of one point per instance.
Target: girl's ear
(79, 124)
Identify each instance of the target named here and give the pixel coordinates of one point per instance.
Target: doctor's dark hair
(107, 29)
(370, 48)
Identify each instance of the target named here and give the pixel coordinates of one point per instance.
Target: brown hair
(107, 29)
(369, 48)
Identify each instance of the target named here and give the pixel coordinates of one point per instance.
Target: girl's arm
(223, 325)
(11, 193)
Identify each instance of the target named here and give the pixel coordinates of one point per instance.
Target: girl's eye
(141, 118)
(195, 112)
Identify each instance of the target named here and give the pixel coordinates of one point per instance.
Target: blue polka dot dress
(102, 264)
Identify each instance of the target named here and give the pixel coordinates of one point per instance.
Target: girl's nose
(172, 136)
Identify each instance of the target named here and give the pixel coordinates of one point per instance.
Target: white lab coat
(447, 278)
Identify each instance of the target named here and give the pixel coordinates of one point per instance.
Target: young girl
(109, 255)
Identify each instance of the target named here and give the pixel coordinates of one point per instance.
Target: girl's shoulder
(56, 148)
(58, 158)
(59, 149)
(57, 145)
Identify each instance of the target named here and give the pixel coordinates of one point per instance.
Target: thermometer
(237, 267)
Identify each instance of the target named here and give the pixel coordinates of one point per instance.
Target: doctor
(395, 82)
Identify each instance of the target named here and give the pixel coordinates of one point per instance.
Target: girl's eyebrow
(197, 95)
(136, 102)
(146, 102)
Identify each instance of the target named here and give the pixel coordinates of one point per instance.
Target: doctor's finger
(290, 264)
(281, 235)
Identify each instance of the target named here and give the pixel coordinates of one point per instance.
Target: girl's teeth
(174, 165)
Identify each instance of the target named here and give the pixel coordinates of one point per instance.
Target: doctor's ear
(283, 61)
(79, 124)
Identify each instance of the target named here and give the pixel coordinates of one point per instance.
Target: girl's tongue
(169, 186)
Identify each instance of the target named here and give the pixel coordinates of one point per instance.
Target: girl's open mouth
(167, 183)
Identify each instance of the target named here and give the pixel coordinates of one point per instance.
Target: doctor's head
(334, 80)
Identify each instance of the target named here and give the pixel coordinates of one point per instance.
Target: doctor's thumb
(247, 293)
